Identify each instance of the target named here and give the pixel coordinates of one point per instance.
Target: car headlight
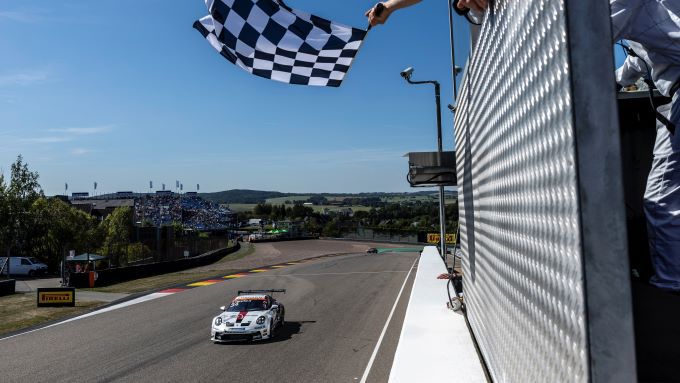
(260, 320)
(218, 321)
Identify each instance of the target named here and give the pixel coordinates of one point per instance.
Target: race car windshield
(246, 305)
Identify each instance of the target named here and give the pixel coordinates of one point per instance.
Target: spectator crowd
(192, 211)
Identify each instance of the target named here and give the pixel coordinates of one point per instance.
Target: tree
(17, 199)
(177, 228)
(57, 227)
(262, 210)
(312, 226)
(332, 229)
(117, 228)
(4, 215)
(4, 220)
(138, 251)
(300, 211)
(318, 200)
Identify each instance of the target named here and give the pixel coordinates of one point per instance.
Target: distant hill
(244, 196)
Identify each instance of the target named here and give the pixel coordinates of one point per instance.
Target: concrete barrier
(121, 274)
(435, 343)
(282, 239)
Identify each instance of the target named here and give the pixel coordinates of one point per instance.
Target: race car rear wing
(261, 291)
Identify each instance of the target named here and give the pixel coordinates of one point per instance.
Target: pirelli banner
(57, 297)
(434, 238)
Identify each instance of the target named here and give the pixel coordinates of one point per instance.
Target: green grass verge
(158, 282)
(20, 311)
(282, 200)
(434, 197)
(245, 250)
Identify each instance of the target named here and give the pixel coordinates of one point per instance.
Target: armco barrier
(7, 287)
(121, 274)
(282, 239)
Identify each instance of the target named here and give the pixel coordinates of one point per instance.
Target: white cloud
(22, 17)
(80, 151)
(84, 130)
(45, 139)
(60, 135)
(24, 78)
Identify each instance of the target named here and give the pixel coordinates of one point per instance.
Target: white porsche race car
(252, 315)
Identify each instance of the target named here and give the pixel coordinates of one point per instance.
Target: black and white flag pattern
(269, 39)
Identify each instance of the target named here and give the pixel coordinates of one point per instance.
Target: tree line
(411, 217)
(32, 225)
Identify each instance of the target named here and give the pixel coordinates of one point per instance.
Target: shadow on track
(283, 333)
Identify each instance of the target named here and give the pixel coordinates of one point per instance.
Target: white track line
(347, 273)
(387, 323)
(131, 302)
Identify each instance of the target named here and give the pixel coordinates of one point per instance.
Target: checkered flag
(269, 39)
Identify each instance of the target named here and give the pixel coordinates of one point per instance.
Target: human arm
(477, 6)
(390, 6)
(462, 6)
(630, 71)
(473, 5)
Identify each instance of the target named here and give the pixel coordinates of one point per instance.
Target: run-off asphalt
(335, 311)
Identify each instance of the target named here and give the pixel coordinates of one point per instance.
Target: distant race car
(372, 250)
(252, 315)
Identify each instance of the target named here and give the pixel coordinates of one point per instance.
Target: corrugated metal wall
(520, 197)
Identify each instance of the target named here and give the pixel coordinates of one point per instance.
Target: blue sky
(122, 92)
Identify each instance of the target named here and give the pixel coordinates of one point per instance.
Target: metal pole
(8, 261)
(442, 223)
(439, 120)
(442, 212)
(63, 266)
(453, 54)
(440, 162)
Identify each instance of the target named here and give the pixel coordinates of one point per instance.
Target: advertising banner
(434, 238)
(56, 297)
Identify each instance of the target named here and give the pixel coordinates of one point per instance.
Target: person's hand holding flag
(475, 5)
(375, 18)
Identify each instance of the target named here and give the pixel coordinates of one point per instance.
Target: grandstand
(164, 208)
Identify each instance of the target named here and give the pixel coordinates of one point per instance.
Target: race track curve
(336, 309)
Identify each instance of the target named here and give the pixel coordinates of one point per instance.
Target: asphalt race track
(336, 309)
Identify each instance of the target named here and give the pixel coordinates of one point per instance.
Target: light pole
(406, 74)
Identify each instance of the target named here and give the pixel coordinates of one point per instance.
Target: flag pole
(379, 8)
